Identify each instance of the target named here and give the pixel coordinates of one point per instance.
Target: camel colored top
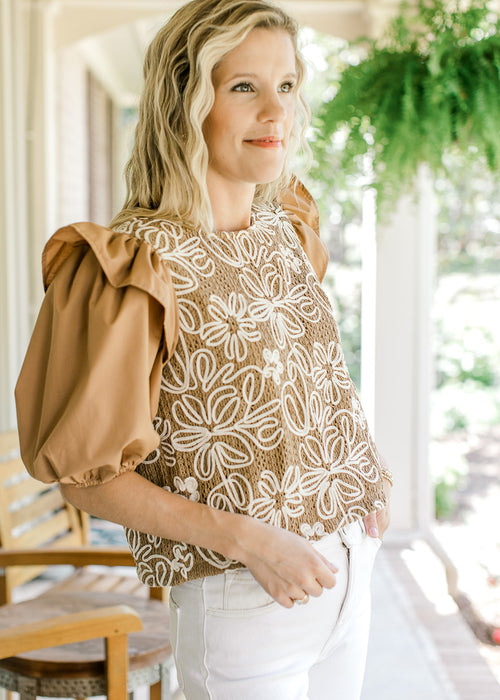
(208, 362)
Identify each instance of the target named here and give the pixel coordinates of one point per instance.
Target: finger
(333, 567)
(326, 577)
(314, 588)
(297, 593)
(383, 520)
(371, 526)
(285, 601)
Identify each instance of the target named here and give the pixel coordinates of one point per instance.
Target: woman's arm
(284, 563)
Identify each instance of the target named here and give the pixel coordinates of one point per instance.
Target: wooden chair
(35, 518)
(113, 624)
(39, 529)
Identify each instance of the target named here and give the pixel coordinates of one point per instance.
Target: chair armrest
(66, 629)
(74, 556)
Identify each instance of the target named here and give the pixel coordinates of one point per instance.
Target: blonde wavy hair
(166, 174)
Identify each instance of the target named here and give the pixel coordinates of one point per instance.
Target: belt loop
(352, 533)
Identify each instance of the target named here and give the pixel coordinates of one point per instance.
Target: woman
(189, 382)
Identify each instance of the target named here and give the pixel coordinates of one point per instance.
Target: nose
(272, 108)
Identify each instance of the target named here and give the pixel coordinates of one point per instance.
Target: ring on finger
(302, 601)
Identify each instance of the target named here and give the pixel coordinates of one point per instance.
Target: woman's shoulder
(298, 201)
(302, 211)
(124, 258)
(161, 233)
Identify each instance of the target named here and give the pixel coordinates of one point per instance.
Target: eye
(242, 87)
(288, 86)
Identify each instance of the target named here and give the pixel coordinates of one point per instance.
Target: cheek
(209, 130)
(214, 126)
(290, 120)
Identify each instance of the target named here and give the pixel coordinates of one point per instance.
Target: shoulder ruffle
(303, 213)
(125, 261)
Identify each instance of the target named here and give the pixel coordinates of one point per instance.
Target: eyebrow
(237, 76)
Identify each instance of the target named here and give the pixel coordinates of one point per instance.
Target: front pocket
(243, 597)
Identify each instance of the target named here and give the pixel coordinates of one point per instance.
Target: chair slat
(133, 586)
(91, 581)
(43, 533)
(88, 580)
(10, 468)
(22, 574)
(46, 503)
(25, 488)
(8, 442)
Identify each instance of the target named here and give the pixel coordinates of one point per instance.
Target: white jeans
(232, 641)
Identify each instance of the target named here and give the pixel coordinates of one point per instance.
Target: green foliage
(337, 192)
(445, 493)
(471, 357)
(468, 218)
(432, 83)
(449, 474)
(343, 285)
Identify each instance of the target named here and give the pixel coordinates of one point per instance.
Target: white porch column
(41, 139)
(27, 179)
(14, 278)
(397, 374)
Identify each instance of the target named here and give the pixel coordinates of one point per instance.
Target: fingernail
(373, 532)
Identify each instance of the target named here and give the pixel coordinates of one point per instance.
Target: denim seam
(204, 636)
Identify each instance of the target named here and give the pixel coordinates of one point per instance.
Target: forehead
(262, 50)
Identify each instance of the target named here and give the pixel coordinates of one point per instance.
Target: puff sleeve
(303, 213)
(89, 385)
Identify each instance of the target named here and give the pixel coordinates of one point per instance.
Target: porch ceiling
(113, 34)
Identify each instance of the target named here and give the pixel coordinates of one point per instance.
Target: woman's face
(248, 128)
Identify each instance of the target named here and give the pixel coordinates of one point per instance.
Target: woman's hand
(285, 564)
(376, 523)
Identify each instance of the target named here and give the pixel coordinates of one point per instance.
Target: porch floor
(420, 646)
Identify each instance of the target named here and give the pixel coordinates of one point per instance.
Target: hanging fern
(432, 83)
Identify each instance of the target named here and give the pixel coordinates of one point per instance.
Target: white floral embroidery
(189, 486)
(182, 561)
(295, 393)
(279, 501)
(284, 309)
(223, 427)
(176, 377)
(154, 568)
(329, 371)
(287, 261)
(313, 531)
(163, 428)
(206, 429)
(274, 366)
(232, 326)
(257, 380)
(334, 466)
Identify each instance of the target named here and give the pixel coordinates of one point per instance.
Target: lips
(266, 142)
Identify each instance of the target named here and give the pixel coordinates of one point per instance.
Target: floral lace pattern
(257, 413)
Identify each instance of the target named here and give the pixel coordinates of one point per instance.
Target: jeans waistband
(346, 536)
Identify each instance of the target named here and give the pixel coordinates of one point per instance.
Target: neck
(231, 205)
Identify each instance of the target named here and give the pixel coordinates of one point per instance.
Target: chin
(267, 178)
